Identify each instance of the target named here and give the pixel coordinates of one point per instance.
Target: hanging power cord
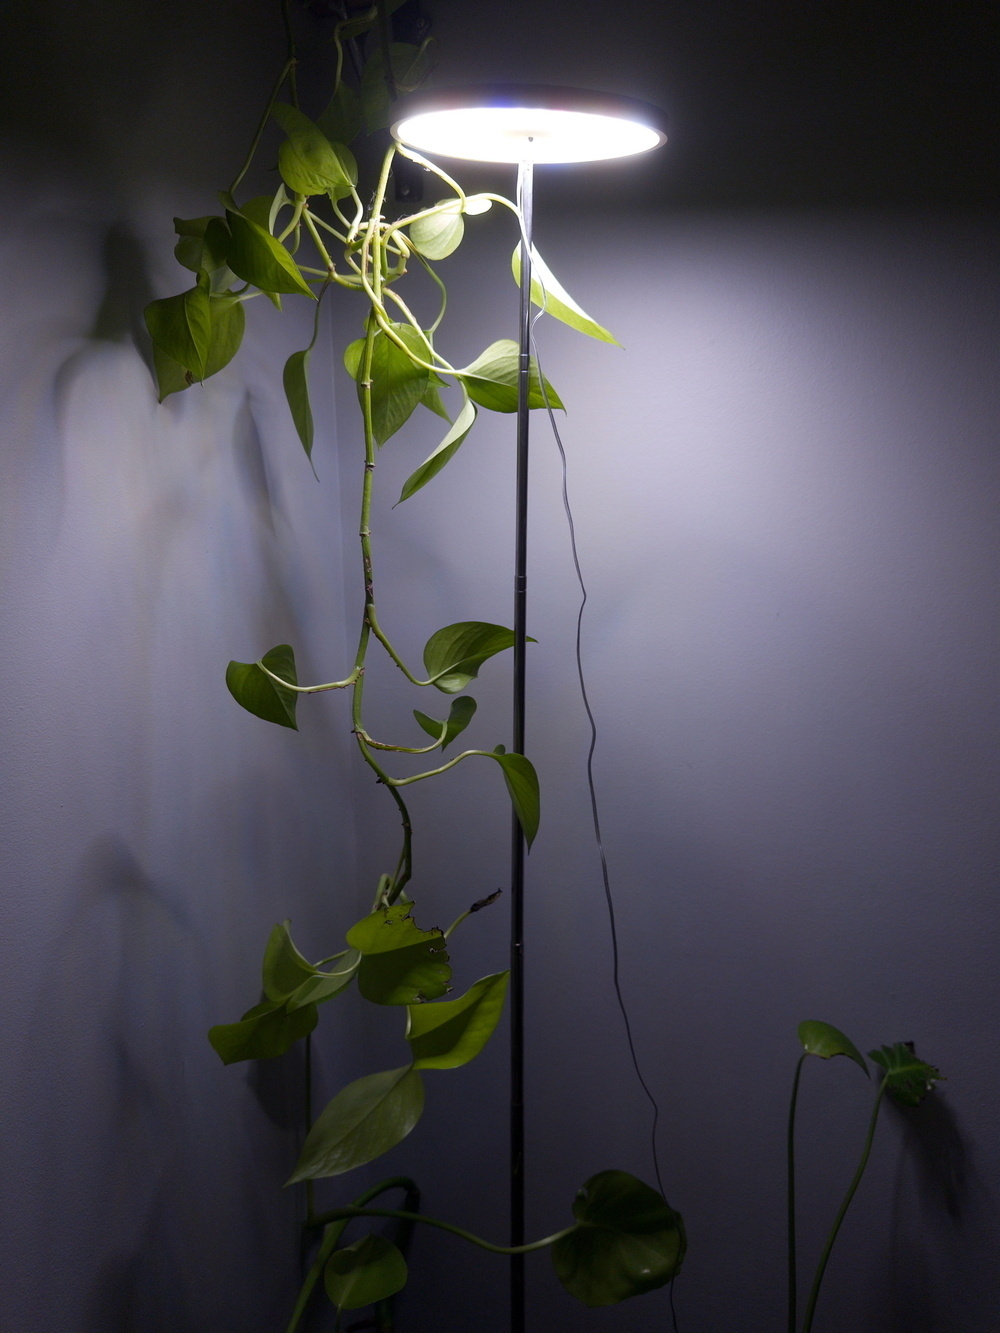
(591, 784)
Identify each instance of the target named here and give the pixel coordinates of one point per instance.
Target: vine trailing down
(625, 1239)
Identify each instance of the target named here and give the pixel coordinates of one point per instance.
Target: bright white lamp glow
(525, 123)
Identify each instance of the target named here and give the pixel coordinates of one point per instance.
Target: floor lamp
(523, 124)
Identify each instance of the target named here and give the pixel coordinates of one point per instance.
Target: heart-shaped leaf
(181, 326)
(410, 67)
(445, 451)
(907, 1078)
(453, 655)
(266, 1030)
(309, 163)
(491, 380)
(343, 119)
(257, 258)
(522, 785)
(450, 1033)
(400, 963)
(628, 1241)
(824, 1040)
(459, 717)
(548, 292)
(370, 1270)
(203, 243)
(364, 1120)
(439, 234)
(255, 691)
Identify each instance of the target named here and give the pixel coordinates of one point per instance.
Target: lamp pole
(525, 175)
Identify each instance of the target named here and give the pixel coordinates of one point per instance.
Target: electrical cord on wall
(591, 785)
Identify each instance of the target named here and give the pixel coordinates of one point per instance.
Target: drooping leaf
(255, 691)
(324, 986)
(548, 292)
(370, 1270)
(439, 234)
(171, 377)
(450, 1033)
(364, 1120)
(824, 1040)
(410, 67)
(908, 1078)
(229, 323)
(459, 717)
(342, 120)
(181, 326)
(628, 1241)
(259, 209)
(267, 1030)
(400, 963)
(284, 969)
(453, 655)
(257, 258)
(522, 785)
(203, 243)
(432, 401)
(491, 380)
(296, 382)
(398, 383)
(443, 454)
(309, 163)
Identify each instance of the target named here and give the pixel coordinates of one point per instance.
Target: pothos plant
(312, 236)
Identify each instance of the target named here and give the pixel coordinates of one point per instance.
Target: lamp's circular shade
(528, 123)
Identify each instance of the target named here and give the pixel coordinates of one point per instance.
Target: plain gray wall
(786, 494)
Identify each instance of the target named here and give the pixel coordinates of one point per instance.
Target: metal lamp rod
(517, 1295)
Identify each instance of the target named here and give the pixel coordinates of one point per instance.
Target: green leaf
(364, 1120)
(309, 163)
(439, 234)
(452, 1032)
(432, 400)
(267, 1030)
(459, 717)
(343, 119)
(824, 1040)
(522, 784)
(229, 323)
(443, 454)
(284, 968)
(257, 258)
(203, 243)
(400, 963)
(548, 293)
(370, 1270)
(628, 1241)
(255, 691)
(295, 380)
(410, 67)
(491, 379)
(181, 326)
(907, 1078)
(398, 384)
(171, 377)
(325, 985)
(453, 655)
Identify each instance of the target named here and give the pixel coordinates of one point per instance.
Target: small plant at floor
(905, 1078)
(311, 237)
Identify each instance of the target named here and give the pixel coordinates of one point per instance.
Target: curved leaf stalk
(286, 71)
(334, 1230)
(842, 1211)
(792, 1260)
(345, 1214)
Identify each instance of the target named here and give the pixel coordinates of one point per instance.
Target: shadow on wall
(945, 1221)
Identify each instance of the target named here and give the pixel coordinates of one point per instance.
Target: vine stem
(345, 1214)
(792, 1261)
(286, 70)
(842, 1211)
